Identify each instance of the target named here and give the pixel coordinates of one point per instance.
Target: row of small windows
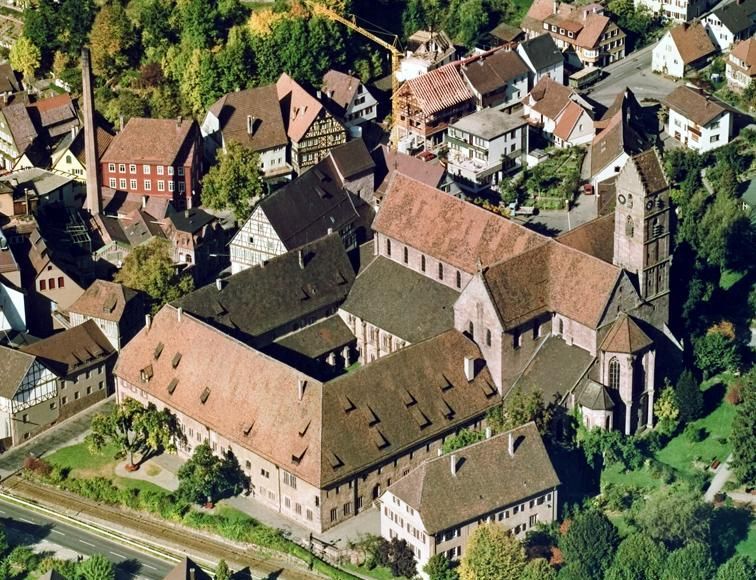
(146, 169)
(516, 335)
(134, 184)
(423, 264)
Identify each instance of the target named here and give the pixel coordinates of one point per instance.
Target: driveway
(635, 73)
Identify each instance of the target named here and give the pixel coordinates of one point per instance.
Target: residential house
(334, 196)
(55, 276)
(427, 51)
(82, 360)
(497, 79)
(427, 104)
(198, 242)
(683, 48)
(54, 117)
(584, 32)
(318, 452)
(312, 129)
(677, 10)
(9, 82)
(349, 97)
(697, 121)
(68, 157)
(544, 59)
(253, 118)
(12, 295)
(740, 69)
(156, 158)
(484, 146)
(33, 187)
(507, 479)
(17, 133)
(503, 35)
(117, 311)
(731, 22)
(625, 129)
(559, 113)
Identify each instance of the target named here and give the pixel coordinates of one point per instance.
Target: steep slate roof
(746, 52)
(541, 373)
(8, 80)
(427, 307)
(412, 211)
(595, 238)
(340, 87)
(103, 140)
(191, 220)
(20, 126)
(489, 73)
(487, 478)
(651, 171)
(389, 162)
(351, 159)
(621, 130)
(439, 89)
(159, 141)
(542, 51)
(14, 365)
(506, 32)
(265, 297)
(262, 104)
(736, 16)
(73, 349)
(105, 300)
(316, 201)
(693, 105)
(692, 41)
(551, 278)
(625, 336)
(322, 433)
(319, 338)
(300, 108)
(399, 400)
(595, 396)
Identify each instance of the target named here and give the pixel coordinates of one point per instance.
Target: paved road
(58, 436)
(720, 478)
(29, 527)
(633, 72)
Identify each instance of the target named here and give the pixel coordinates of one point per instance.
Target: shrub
(37, 466)
(734, 397)
(695, 434)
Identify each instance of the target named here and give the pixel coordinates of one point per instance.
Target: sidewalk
(70, 431)
(720, 478)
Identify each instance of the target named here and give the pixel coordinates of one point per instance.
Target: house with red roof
(741, 65)
(562, 115)
(156, 158)
(583, 32)
(428, 104)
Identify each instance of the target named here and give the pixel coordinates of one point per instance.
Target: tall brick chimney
(94, 199)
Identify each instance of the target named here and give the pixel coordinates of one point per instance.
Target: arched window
(422, 263)
(488, 337)
(629, 227)
(470, 328)
(388, 247)
(614, 373)
(440, 271)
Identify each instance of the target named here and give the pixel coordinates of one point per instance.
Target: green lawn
(748, 546)
(729, 278)
(379, 572)
(79, 457)
(638, 478)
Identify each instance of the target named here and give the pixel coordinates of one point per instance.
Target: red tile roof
(439, 89)
(693, 105)
(625, 336)
(300, 107)
(567, 120)
(549, 98)
(158, 141)
(449, 229)
(746, 52)
(692, 41)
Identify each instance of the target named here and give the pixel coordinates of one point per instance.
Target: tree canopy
(438, 567)
(743, 429)
(492, 553)
(25, 57)
(676, 516)
(207, 477)
(97, 567)
(590, 542)
(234, 182)
(692, 562)
(638, 557)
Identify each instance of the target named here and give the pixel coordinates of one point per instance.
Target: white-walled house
(560, 113)
(543, 57)
(485, 145)
(507, 479)
(731, 23)
(12, 296)
(740, 69)
(352, 99)
(678, 10)
(684, 47)
(696, 121)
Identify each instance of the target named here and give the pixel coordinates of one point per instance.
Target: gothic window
(488, 337)
(459, 279)
(470, 328)
(614, 373)
(388, 247)
(629, 202)
(629, 227)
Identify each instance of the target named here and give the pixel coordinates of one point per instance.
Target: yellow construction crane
(392, 47)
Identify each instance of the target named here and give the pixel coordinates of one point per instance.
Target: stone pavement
(68, 432)
(160, 470)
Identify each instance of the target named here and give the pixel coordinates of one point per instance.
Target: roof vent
(301, 385)
(453, 461)
(158, 350)
(510, 445)
(172, 385)
(469, 369)
(205, 395)
(176, 360)
(322, 193)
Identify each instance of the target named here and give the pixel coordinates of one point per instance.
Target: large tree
(676, 516)
(134, 428)
(492, 553)
(539, 569)
(689, 397)
(638, 557)
(25, 57)
(207, 477)
(739, 567)
(743, 429)
(111, 40)
(692, 562)
(234, 182)
(438, 567)
(590, 542)
(520, 408)
(149, 268)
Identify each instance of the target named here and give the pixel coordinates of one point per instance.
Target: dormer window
(146, 374)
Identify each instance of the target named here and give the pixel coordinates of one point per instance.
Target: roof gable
(439, 89)
(252, 117)
(692, 41)
(625, 336)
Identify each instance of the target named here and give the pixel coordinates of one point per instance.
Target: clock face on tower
(649, 204)
(621, 199)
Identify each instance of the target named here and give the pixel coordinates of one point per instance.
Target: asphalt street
(28, 527)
